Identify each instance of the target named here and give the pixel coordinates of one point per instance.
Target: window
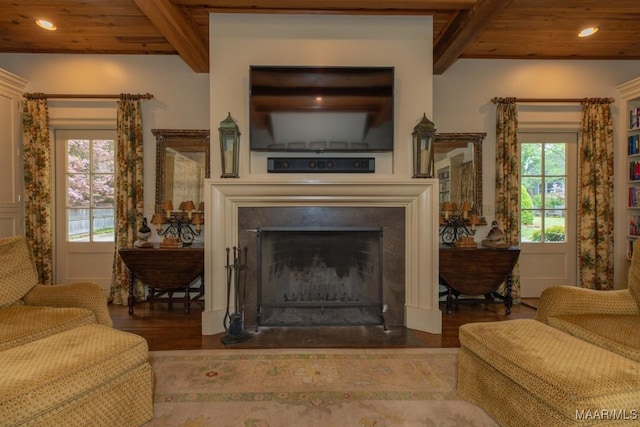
(543, 215)
(90, 190)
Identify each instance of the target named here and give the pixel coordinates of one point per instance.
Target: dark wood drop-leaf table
(477, 271)
(164, 270)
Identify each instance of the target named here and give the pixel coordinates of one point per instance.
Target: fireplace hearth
(320, 276)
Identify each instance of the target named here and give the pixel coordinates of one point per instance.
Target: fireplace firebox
(320, 276)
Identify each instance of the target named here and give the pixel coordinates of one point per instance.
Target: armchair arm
(559, 300)
(83, 295)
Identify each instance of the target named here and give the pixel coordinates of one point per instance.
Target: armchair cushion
(551, 371)
(21, 324)
(561, 300)
(617, 333)
(526, 373)
(82, 294)
(17, 270)
(83, 376)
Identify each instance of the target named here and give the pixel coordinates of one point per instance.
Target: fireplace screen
(319, 276)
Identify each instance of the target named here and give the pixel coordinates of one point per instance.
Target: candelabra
(458, 225)
(180, 229)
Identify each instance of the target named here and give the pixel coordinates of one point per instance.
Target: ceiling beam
(461, 31)
(411, 7)
(176, 27)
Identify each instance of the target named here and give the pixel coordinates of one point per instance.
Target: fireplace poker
(227, 316)
(233, 323)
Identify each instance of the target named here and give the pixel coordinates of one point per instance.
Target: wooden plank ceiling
(487, 29)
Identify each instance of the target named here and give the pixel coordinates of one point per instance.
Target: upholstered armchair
(19, 284)
(61, 361)
(581, 354)
(564, 300)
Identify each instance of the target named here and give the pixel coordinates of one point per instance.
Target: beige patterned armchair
(580, 357)
(609, 319)
(61, 362)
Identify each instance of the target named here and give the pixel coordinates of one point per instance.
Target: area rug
(310, 387)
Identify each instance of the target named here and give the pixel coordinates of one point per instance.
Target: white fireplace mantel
(223, 198)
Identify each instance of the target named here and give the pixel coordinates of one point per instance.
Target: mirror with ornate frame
(458, 166)
(182, 164)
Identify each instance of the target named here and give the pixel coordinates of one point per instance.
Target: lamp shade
(158, 219)
(474, 220)
(466, 208)
(167, 205)
(188, 206)
(197, 218)
(446, 208)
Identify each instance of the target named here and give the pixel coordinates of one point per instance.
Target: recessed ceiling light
(588, 32)
(46, 24)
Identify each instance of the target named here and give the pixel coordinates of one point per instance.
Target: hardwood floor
(167, 328)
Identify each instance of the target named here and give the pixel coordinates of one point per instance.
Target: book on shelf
(634, 118)
(634, 146)
(634, 170)
(634, 192)
(634, 225)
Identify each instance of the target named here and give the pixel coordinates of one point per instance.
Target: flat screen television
(332, 109)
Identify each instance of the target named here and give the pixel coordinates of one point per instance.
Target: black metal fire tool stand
(236, 275)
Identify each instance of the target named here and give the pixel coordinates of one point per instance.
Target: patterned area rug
(311, 387)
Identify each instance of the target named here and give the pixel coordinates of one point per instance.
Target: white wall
(462, 103)
(461, 96)
(240, 40)
(181, 97)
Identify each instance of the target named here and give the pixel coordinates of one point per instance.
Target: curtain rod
(122, 96)
(552, 100)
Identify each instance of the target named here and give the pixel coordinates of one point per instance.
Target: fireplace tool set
(236, 277)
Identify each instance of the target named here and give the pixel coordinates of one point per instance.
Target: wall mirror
(182, 164)
(458, 166)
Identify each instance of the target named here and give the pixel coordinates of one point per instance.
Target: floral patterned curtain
(508, 180)
(128, 193)
(595, 195)
(37, 150)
